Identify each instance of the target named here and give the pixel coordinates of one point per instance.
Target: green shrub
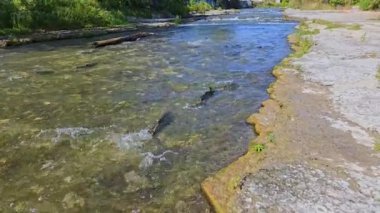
(21, 15)
(337, 2)
(259, 147)
(199, 6)
(369, 4)
(58, 14)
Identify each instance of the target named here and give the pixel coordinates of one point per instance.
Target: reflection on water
(74, 121)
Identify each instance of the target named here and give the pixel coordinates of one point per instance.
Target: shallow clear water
(76, 139)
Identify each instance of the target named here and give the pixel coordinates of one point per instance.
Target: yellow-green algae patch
(222, 187)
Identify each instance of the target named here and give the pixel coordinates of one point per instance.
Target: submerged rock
(72, 200)
(135, 182)
(181, 206)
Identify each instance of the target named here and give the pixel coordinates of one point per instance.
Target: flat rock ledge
(320, 128)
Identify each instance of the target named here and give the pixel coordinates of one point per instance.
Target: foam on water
(149, 158)
(132, 140)
(196, 43)
(71, 132)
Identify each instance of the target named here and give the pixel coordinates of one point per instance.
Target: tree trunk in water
(118, 40)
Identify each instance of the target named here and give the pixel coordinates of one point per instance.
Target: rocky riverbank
(320, 128)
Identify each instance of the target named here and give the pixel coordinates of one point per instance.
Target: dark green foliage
(228, 4)
(170, 7)
(369, 4)
(337, 2)
(6, 11)
(19, 15)
(199, 6)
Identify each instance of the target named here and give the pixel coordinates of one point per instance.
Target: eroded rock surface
(322, 155)
(302, 188)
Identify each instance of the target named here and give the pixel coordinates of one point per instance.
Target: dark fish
(166, 119)
(87, 65)
(207, 95)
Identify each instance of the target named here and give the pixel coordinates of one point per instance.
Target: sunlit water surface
(76, 139)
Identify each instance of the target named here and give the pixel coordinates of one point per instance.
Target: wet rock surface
(135, 182)
(72, 200)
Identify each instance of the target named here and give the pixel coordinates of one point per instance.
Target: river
(75, 138)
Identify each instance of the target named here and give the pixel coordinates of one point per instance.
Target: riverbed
(75, 120)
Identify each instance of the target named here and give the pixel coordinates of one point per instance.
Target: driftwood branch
(118, 40)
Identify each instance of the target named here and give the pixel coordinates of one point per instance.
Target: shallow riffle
(75, 138)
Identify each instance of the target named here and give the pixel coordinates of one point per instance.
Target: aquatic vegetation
(135, 182)
(72, 200)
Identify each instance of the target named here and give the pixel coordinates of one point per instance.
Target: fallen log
(118, 40)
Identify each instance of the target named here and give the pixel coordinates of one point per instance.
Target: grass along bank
(22, 17)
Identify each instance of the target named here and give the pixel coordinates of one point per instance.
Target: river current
(74, 120)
